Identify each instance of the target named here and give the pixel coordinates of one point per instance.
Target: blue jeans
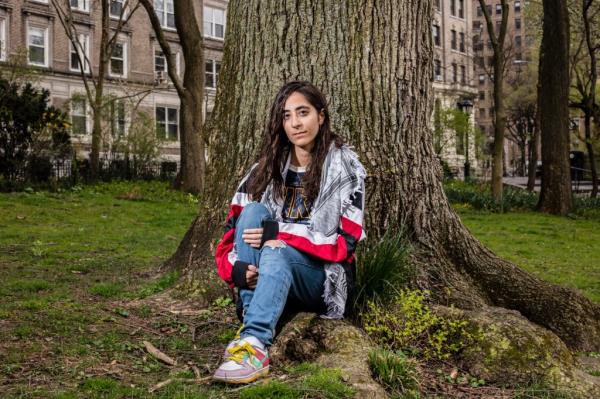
(285, 276)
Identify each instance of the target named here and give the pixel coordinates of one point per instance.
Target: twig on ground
(196, 370)
(158, 354)
(172, 380)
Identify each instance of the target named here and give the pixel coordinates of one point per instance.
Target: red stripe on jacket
(337, 252)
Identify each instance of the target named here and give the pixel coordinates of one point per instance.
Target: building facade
(137, 70)
(453, 82)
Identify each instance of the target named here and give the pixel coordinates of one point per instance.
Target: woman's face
(301, 121)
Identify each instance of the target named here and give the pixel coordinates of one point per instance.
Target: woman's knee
(253, 214)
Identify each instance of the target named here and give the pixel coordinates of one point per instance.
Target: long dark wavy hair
(276, 145)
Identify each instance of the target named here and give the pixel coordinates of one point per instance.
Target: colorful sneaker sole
(245, 379)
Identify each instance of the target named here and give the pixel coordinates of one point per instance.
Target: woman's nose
(296, 121)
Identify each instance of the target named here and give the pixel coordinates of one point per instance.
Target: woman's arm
(225, 256)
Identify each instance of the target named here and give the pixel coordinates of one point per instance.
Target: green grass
(560, 250)
(71, 262)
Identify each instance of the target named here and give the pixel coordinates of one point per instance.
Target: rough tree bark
(498, 39)
(555, 197)
(373, 60)
(190, 90)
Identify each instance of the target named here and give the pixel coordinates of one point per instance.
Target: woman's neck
(300, 157)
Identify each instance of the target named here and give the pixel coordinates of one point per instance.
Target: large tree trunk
(191, 176)
(376, 71)
(556, 194)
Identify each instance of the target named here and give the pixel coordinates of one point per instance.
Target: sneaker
(233, 343)
(247, 362)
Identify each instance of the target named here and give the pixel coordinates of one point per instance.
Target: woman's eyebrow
(297, 108)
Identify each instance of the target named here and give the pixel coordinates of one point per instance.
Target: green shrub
(407, 323)
(381, 265)
(479, 196)
(394, 371)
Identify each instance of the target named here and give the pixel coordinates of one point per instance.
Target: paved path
(583, 186)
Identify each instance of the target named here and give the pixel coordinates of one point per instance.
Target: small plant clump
(409, 324)
(395, 371)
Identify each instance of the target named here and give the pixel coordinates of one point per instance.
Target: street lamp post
(465, 106)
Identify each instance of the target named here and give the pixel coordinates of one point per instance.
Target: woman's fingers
(251, 276)
(253, 237)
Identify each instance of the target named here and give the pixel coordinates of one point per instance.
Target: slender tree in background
(521, 109)
(497, 38)
(381, 99)
(584, 61)
(555, 197)
(190, 90)
(94, 81)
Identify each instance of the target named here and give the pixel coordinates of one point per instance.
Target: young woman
(292, 227)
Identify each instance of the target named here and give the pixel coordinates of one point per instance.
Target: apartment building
(453, 81)
(137, 68)
(517, 56)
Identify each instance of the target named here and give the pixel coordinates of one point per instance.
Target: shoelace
(239, 351)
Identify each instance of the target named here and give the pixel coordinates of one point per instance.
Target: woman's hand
(252, 276)
(253, 237)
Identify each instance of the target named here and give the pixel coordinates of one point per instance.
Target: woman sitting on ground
(292, 228)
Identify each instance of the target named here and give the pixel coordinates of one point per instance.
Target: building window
(517, 23)
(437, 4)
(491, 61)
(453, 7)
(212, 73)
(489, 9)
(462, 42)
(2, 39)
(463, 75)
(479, 11)
(517, 41)
(161, 69)
(118, 121)
(78, 116)
(167, 123)
(498, 25)
(437, 69)
(165, 11)
(214, 22)
(437, 37)
(80, 5)
(453, 39)
(118, 60)
(461, 8)
(517, 6)
(491, 112)
(498, 9)
(454, 73)
(481, 79)
(518, 56)
(37, 41)
(80, 50)
(116, 9)
(482, 95)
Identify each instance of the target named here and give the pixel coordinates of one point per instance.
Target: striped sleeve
(225, 254)
(338, 247)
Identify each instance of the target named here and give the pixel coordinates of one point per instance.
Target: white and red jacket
(337, 247)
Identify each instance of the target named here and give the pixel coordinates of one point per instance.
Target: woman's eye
(303, 113)
(286, 117)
